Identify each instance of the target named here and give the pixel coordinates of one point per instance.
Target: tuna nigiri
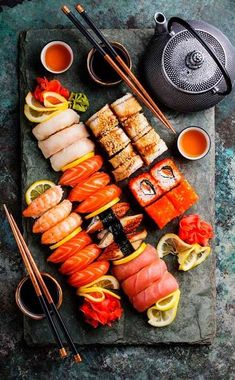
(62, 229)
(81, 172)
(89, 274)
(99, 199)
(69, 248)
(84, 189)
(157, 290)
(44, 202)
(81, 259)
(145, 277)
(147, 257)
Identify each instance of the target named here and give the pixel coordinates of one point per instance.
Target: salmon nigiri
(147, 257)
(99, 199)
(81, 172)
(62, 229)
(89, 274)
(81, 259)
(84, 189)
(157, 290)
(145, 277)
(69, 248)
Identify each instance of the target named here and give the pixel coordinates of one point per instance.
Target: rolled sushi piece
(126, 106)
(150, 146)
(102, 122)
(182, 197)
(162, 211)
(129, 167)
(122, 157)
(62, 139)
(136, 126)
(115, 141)
(145, 189)
(166, 174)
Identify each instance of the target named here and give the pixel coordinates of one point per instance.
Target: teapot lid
(187, 64)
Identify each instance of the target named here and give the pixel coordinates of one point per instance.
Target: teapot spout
(161, 23)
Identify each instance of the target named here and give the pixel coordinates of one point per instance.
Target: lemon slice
(36, 105)
(38, 117)
(61, 102)
(169, 301)
(130, 257)
(106, 281)
(78, 161)
(67, 238)
(102, 209)
(171, 243)
(202, 254)
(36, 189)
(96, 289)
(160, 318)
(187, 259)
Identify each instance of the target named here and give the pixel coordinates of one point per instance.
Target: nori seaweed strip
(113, 224)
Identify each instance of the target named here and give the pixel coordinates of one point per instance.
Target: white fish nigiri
(58, 122)
(62, 139)
(71, 153)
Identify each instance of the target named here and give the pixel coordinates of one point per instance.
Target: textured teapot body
(180, 73)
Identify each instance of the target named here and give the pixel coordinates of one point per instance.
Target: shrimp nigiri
(44, 202)
(81, 172)
(52, 217)
(81, 259)
(89, 274)
(84, 189)
(62, 229)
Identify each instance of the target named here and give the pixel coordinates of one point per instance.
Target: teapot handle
(208, 49)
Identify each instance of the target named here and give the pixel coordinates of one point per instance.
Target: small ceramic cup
(65, 46)
(207, 143)
(97, 66)
(25, 292)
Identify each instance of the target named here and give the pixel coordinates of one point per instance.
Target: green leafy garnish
(78, 101)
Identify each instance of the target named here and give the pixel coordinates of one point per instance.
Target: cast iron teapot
(188, 66)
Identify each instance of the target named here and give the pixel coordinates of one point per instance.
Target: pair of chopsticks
(42, 292)
(113, 56)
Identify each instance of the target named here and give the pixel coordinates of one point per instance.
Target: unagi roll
(126, 107)
(136, 126)
(62, 139)
(58, 122)
(122, 157)
(128, 168)
(102, 122)
(115, 141)
(150, 146)
(71, 153)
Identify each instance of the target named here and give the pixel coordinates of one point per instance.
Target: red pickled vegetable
(192, 229)
(54, 85)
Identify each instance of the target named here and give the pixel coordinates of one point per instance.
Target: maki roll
(150, 146)
(136, 126)
(126, 106)
(114, 141)
(182, 197)
(102, 122)
(145, 189)
(162, 211)
(166, 174)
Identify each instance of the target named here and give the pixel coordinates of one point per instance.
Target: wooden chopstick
(115, 55)
(107, 57)
(36, 276)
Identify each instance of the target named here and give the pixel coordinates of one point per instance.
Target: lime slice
(38, 117)
(171, 243)
(159, 318)
(106, 281)
(36, 189)
(169, 301)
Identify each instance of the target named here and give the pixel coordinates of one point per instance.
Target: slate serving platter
(195, 322)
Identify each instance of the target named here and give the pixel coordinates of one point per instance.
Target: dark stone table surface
(17, 361)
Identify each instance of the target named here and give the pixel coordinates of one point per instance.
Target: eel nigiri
(44, 202)
(81, 172)
(62, 229)
(157, 290)
(68, 249)
(52, 217)
(58, 122)
(89, 274)
(123, 271)
(99, 199)
(62, 139)
(70, 153)
(145, 277)
(84, 189)
(80, 260)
